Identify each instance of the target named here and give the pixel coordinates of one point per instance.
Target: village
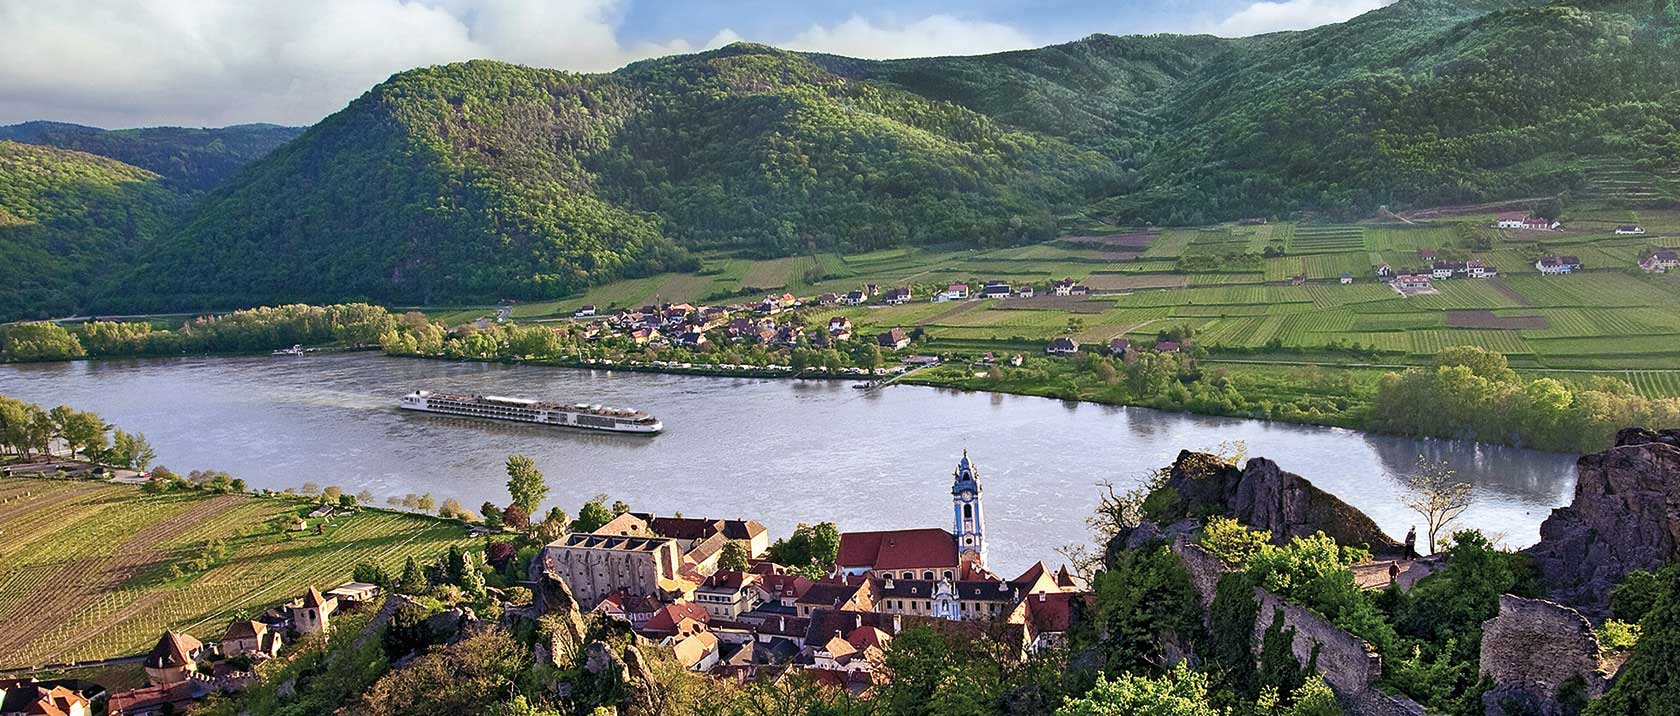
(703, 588)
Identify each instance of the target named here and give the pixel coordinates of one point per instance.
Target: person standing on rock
(1411, 543)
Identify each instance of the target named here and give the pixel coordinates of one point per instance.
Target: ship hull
(547, 417)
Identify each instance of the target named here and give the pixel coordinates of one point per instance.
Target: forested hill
(67, 219)
(190, 159)
(477, 181)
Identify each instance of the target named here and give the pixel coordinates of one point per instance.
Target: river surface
(779, 451)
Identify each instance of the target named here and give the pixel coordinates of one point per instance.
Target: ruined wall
(1349, 664)
(1531, 650)
(1625, 516)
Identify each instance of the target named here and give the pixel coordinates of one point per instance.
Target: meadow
(88, 564)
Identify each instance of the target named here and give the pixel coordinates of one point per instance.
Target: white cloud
(1265, 16)
(932, 35)
(124, 63)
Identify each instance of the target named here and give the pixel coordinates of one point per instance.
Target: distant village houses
(1553, 265)
(1630, 230)
(1062, 346)
(1661, 261)
(1523, 220)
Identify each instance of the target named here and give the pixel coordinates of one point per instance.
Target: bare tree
(1436, 493)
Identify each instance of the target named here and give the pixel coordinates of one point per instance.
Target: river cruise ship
(520, 410)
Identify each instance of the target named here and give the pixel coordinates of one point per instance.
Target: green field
(1610, 312)
(87, 564)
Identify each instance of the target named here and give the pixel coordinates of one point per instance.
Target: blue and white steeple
(968, 524)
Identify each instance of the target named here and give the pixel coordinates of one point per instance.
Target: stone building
(173, 659)
(596, 565)
(313, 613)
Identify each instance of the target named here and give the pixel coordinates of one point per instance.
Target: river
(779, 451)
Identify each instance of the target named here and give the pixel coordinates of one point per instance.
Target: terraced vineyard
(1312, 239)
(88, 564)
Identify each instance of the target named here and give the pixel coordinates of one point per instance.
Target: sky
(136, 63)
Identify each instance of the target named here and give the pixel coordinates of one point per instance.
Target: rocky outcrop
(1264, 497)
(1536, 653)
(1625, 516)
(451, 625)
(561, 617)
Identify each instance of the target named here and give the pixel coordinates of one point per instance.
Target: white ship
(520, 410)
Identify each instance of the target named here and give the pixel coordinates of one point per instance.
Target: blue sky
(128, 63)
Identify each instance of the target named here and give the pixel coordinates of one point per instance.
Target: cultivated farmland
(88, 564)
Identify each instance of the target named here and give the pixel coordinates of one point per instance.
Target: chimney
(857, 621)
(781, 624)
(898, 624)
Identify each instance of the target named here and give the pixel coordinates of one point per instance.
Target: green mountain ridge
(191, 159)
(67, 219)
(478, 181)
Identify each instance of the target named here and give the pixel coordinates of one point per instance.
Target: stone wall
(1625, 516)
(1531, 650)
(1349, 664)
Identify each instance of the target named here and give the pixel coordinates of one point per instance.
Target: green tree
(1649, 683)
(492, 515)
(811, 549)
(1181, 692)
(733, 556)
(592, 515)
(413, 580)
(525, 483)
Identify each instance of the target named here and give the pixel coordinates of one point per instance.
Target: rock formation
(562, 618)
(1625, 516)
(1264, 497)
(1535, 652)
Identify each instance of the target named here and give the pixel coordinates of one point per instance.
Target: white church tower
(968, 523)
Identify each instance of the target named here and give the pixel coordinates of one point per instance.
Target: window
(927, 575)
(947, 574)
(968, 511)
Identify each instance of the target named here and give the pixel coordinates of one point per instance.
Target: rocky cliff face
(1265, 497)
(1625, 517)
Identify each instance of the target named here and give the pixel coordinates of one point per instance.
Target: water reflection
(780, 451)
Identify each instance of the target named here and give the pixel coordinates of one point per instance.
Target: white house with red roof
(1525, 221)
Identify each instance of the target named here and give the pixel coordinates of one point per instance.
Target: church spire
(968, 524)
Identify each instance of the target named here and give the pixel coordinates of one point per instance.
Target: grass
(88, 563)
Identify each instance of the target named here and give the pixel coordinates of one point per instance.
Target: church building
(926, 553)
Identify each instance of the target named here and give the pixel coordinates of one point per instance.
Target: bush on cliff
(1650, 681)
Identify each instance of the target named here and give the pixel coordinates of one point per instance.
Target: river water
(779, 451)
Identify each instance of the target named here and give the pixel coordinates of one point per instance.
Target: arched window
(909, 575)
(968, 511)
(927, 575)
(947, 574)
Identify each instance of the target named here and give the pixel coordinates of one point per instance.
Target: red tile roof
(666, 619)
(898, 549)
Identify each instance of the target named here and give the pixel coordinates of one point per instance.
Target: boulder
(1542, 658)
(1625, 516)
